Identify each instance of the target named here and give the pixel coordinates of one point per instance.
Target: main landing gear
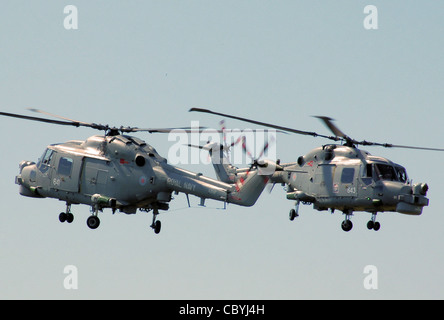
(294, 212)
(93, 221)
(347, 225)
(156, 225)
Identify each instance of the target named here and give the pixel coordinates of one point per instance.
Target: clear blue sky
(145, 63)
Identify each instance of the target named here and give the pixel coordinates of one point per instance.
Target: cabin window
(65, 166)
(347, 175)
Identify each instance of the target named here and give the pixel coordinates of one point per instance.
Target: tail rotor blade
(266, 146)
(224, 136)
(239, 139)
(244, 147)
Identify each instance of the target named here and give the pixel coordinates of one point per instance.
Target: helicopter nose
(420, 188)
(23, 175)
(25, 179)
(414, 202)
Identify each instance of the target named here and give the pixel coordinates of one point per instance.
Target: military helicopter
(120, 172)
(344, 177)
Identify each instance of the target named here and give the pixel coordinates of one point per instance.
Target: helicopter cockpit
(386, 172)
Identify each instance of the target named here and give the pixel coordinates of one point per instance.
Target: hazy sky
(145, 63)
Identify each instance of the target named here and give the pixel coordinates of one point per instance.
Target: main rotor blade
(328, 122)
(56, 116)
(121, 129)
(20, 116)
(167, 130)
(80, 123)
(314, 134)
(389, 145)
(339, 135)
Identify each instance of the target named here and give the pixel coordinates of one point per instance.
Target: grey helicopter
(340, 177)
(119, 172)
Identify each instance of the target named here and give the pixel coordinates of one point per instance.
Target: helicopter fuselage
(120, 172)
(350, 179)
(344, 177)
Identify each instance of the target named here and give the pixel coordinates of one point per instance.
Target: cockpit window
(43, 164)
(385, 172)
(379, 171)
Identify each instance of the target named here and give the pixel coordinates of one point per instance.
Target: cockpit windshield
(43, 163)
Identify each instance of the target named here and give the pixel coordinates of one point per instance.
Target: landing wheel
(93, 222)
(292, 214)
(373, 225)
(68, 217)
(347, 225)
(157, 226)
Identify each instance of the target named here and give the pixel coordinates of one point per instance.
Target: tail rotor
(256, 162)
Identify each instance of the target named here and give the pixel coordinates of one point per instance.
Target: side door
(366, 182)
(323, 182)
(66, 174)
(94, 177)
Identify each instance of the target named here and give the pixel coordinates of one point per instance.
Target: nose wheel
(67, 215)
(373, 224)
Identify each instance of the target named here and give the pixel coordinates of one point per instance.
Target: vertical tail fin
(247, 183)
(225, 171)
(248, 189)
